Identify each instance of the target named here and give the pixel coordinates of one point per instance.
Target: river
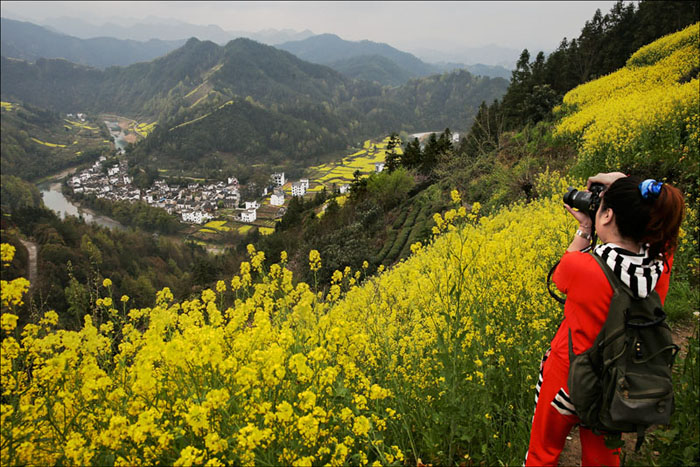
(118, 135)
(52, 193)
(53, 198)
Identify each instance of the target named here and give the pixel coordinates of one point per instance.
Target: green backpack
(623, 382)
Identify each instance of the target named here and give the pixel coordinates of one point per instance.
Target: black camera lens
(581, 200)
(585, 201)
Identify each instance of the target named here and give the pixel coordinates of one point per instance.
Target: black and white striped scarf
(639, 271)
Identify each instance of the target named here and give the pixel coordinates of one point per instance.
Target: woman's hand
(584, 220)
(606, 179)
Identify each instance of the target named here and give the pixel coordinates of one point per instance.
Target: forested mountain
(373, 68)
(241, 68)
(312, 108)
(30, 42)
(38, 142)
(347, 57)
(325, 49)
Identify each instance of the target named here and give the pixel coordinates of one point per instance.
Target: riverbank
(54, 199)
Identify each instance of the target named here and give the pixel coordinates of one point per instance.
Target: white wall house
(249, 215)
(305, 182)
(196, 217)
(378, 166)
(278, 179)
(277, 198)
(252, 205)
(344, 188)
(298, 189)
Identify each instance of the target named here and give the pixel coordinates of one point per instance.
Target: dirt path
(571, 455)
(32, 250)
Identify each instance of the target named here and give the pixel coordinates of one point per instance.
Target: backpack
(623, 382)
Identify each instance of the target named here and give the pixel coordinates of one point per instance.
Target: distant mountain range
(248, 100)
(30, 42)
(493, 61)
(375, 61)
(156, 28)
(364, 60)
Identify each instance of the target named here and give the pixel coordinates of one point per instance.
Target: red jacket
(588, 295)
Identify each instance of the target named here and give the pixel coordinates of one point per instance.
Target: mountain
(493, 71)
(327, 49)
(158, 28)
(491, 54)
(37, 142)
(30, 42)
(293, 109)
(373, 68)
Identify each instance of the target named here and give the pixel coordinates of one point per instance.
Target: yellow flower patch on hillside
(217, 225)
(264, 370)
(641, 113)
(50, 145)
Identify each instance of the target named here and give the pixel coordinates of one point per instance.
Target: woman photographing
(637, 222)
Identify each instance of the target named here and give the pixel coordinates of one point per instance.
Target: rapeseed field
(643, 113)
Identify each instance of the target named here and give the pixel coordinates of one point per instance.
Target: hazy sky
(406, 25)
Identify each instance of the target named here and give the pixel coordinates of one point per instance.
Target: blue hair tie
(650, 189)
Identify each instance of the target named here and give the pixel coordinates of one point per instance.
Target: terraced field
(342, 172)
(411, 225)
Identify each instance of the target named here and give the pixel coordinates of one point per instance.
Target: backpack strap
(640, 437)
(614, 281)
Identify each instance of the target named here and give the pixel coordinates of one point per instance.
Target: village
(195, 203)
(199, 203)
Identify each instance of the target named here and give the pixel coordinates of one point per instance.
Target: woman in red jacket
(637, 223)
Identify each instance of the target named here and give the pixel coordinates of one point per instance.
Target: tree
(484, 134)
(392, 159)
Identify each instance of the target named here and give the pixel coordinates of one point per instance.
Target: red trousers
(554, 418)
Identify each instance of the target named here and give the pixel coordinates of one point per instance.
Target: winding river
(53, 198)
(52, 194)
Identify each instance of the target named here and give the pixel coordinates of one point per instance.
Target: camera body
(585, 201)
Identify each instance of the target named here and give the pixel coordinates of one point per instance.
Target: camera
(585, 201)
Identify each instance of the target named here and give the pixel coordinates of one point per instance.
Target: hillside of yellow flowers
(643, 115)
(431, 362)
(416, 362)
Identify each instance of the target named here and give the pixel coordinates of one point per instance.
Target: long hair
(652, 221)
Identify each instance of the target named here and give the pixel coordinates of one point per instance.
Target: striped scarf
(639, 272)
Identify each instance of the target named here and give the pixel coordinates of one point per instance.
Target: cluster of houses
(194, 203)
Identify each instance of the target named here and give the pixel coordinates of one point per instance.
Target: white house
(298, 189)
(113, 171)
(378, 166)
(252, 205)
(277, 198)
(305, 182)
(193, 216)
(344, 188)
(278, 179)
(249, 215)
